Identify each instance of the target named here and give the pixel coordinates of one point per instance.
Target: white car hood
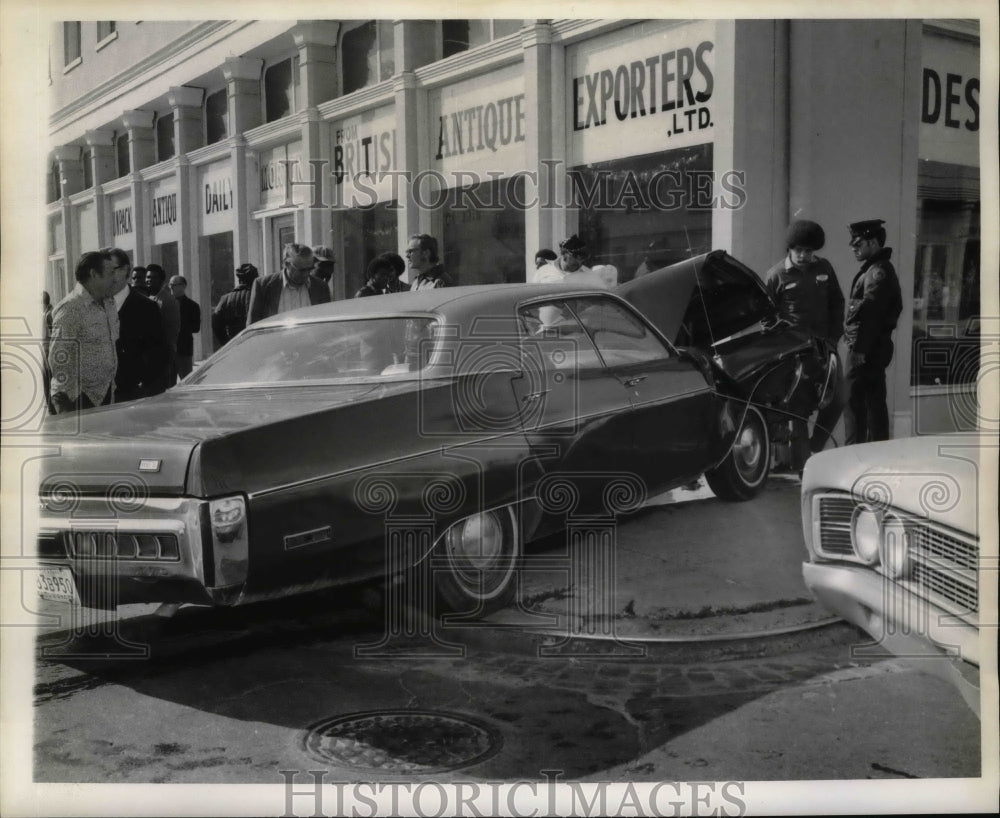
(936, 477)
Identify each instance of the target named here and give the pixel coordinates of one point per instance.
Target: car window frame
(672, 351)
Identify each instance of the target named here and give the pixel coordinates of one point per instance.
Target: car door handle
(531, 398)
(635, 381)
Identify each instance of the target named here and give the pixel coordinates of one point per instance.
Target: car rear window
(321, 351)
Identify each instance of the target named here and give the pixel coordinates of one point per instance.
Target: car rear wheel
(476, 563)
(742, 474)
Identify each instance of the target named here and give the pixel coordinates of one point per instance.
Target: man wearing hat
(808, 295)
(230, 315)
(872, 311)
(569, 267)
(326, 264)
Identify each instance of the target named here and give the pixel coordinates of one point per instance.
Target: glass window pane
(278, 95)
(121, 150)
(360, 57)
(386, 50)
(165, 147)
(454, 36)
(364, 348)
(216, 117)
(620, 337)
(71, 41)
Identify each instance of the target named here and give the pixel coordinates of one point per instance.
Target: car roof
(452, 302)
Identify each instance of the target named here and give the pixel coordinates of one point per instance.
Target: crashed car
(444, 428)
(891, 531)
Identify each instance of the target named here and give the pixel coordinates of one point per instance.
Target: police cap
(870, 229)
(574, 244)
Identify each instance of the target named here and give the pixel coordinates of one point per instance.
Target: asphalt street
(700, 665)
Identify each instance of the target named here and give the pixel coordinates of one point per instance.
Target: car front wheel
(476, 563)
(743, 472)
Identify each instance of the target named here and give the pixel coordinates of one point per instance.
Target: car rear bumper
(153, 550)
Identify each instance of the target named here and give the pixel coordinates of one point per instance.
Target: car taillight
(228, 518)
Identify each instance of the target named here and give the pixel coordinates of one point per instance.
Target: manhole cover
(403, 741)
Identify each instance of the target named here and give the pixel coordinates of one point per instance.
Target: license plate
(56, 584)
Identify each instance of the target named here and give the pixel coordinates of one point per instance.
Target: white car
(892, 534)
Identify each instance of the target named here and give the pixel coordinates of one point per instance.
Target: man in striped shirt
(82, 353)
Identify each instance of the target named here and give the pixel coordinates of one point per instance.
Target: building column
(65, 157)
(316, 41)
(103, 169)
(539, 230)
(70, 159)
(243, 94)
(139, 125)
(189, 128)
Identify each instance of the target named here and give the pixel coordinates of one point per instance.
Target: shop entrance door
(282, 233)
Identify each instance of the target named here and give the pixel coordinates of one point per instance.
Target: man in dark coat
(230, 315)
(190, 323)
(141, 345)
(872, 312)
(290, 289)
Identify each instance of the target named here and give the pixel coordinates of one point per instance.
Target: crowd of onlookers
(127, 332)
(122, 333)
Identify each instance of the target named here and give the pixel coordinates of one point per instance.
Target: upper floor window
(368, 54)
(55, 185)
(105, 28)
(165, 145)
(121, 154)
(216, 117)
(88, 169)
(281, 81)
(461, 35)
(71, 41)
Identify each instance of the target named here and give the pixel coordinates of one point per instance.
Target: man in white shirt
(569, 268)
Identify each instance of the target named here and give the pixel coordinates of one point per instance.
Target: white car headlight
(866, 530)
(894, 548)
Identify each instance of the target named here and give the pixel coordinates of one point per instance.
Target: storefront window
(946, 306)
(627, 204)
(368, 54)
(367, 232)
(485, 244)
(218, 252)
(216, 117)
(165, 148)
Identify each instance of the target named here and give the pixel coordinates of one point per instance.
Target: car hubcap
(748, 451)
(481, 553)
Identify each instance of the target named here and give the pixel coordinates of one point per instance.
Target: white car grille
(945, 561)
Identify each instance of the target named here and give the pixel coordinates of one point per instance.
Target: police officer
(808, 295)
(872, 311)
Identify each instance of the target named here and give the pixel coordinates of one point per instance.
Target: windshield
(321, 351)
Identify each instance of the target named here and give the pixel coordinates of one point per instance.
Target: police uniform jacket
(873, 309)
(809, 299)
